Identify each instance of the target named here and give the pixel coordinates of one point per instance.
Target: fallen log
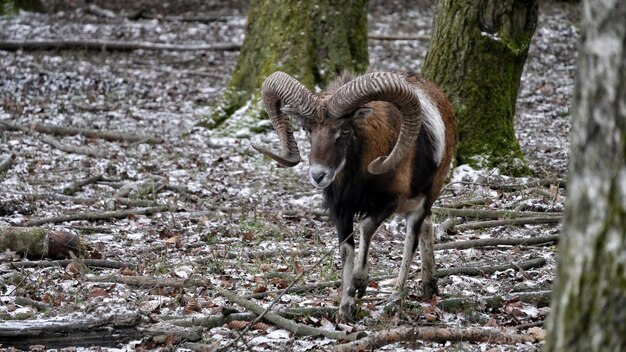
(71, 331)
(39, 242)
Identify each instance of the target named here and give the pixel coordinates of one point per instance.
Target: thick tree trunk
(589, 303)
(10, 7)
(477, 55)
(310, 40)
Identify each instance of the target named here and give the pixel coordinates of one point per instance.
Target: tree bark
(311, 40)
(11, 7)
(477, 55)
(589, 303)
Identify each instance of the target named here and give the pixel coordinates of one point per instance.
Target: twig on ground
(497, 242)
(410, 333)
(467, 203)
(292, 284)
(60, 198)
(99, 263)
(99, 11)
(76, 186)
(505, 222)
(25, 301)
(110, 45)
(490, 269)
(296, 328)
(112, 136)
(456, 304)
(96, 216)
(7, 164)
(449, 223)
(490, 214)
(144, 281)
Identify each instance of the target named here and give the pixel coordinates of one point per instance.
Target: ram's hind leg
(427, 256)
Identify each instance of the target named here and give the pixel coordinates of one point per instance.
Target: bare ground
(226, 203)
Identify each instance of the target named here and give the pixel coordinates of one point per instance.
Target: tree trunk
(477, 55)
(10, 7)
(589, 303)
(311, 40)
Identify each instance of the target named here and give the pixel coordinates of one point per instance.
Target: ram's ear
(362, 112)
(291, 111)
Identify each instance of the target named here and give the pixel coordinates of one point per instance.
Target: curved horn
(281, 89)
(389, 87)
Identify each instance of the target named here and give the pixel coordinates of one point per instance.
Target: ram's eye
(345, 131)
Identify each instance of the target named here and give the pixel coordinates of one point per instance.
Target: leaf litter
(247, 205)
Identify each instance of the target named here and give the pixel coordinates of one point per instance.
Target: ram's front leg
(367, 228)
(347, 307)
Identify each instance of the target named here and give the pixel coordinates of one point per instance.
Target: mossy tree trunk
(10, 7)
(589, 300)
(477, 55)
(311, 40)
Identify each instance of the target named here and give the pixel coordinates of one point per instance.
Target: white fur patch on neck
(432, 122)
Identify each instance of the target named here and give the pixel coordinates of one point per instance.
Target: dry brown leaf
(174, 240)
(261, 326)
(538, 333)
(97, 292)
(72, 268)
(248, 236)
(279, 283)
(125, 271)
(237, 325)
(259, 289)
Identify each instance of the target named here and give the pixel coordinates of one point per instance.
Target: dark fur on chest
(359, 193)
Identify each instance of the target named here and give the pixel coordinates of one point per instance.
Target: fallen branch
(112, 136)
(39, 242)
(408, 333)
(296, 328)
(94, 263)
(490, 269)
(60, 198)
(213, 321)
(7, 164)
(497, 242)
(453, 305)
(60, 332)
(51, 141)
(76, 186)
(70, 148)
(506, 222)
(99, 11)
(109, 45)
(144, 281)
(96, 216)
(491, 214)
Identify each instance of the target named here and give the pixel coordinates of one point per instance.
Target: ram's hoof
(360, 281)
(347, 311)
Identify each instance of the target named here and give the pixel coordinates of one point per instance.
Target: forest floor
(169, 222)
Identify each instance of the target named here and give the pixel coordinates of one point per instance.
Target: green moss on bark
(311, 40)
(11, 7)
(477, 55)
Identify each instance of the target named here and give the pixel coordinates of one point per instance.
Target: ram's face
(330, 139)
(329, 144)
